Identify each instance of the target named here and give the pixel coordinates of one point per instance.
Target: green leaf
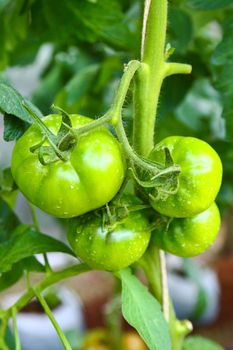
(209, 4)
(25, 242)
(199, 343)
(80, 83)
(207, 113)
(31, 264)
(11, 106)
(50, 84)
(13, 127)
(7, 279)
(7, 183)
(224, 50)
(11, 103)
(8, 221)
(3, 4)
(180, 31)
(222, 60)
(13, 28)
(88, 21)
(143, 312)
(9, 338)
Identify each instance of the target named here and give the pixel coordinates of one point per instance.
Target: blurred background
(72, 54)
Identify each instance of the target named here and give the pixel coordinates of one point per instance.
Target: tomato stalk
(46, 131)
(153, 71)
(148, 83)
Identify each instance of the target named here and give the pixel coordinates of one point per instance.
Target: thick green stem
(150, 76)
(148, 83)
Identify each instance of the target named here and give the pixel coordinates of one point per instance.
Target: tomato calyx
(116, 213)
(165, 182)
(53, 152)
(61, 145)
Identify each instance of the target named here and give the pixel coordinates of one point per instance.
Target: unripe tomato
(109, 246)
(89, 179)
(199, 180)
(187, 237)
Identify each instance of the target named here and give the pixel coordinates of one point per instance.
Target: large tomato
(90, 178)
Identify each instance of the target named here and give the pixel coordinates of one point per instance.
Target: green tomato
(187, 237)
(89, 179)
(109, 246)
(199, 180)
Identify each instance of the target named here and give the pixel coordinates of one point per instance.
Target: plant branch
(16, 332)
(47, 281)
(113, 116)
(155, 168)
(172, 68)
(129, 72)
(52, 319)
(36, 225)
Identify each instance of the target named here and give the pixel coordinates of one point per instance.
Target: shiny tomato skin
(188, 237)
(199, 180)
(110, 248)
(89, 179)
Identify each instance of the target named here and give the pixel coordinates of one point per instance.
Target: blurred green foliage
(92, 39)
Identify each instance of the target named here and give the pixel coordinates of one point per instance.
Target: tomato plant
(90, 178)
(129, 197)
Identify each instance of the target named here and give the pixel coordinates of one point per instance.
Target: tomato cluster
(93, 174)
(192, 218)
